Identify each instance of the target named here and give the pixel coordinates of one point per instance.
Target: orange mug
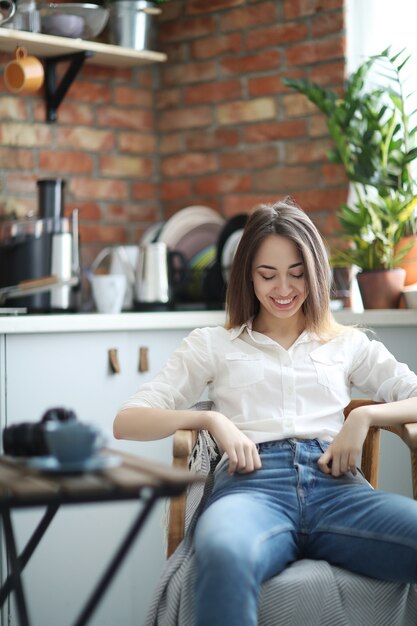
(25, 74)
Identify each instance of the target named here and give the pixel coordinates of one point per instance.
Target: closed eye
(297, 275)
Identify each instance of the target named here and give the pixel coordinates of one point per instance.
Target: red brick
(188, 164)
(213, 92)
(285, 179)
(334, 174)
(243, 111)
(15, 158)
(211, 140)
(328, 73)
(233, 204)
(317, 126)
(69, 113)
(185, 118)
(131, 212)
(98, 189)
(171, 143)
(125, 166)
(248, 159)
(94, 93)
(88, 210)
(276, 35)
(186, 28)
(272, 131)
(132, 96)
(83, 138)
(327, 23)
(216, 46)
(174, 189)
(143, 191)
(321, 199)
(202, 6)
(65, 162)
(144, 212)
(124, 118)
(264, 60)
(168, 98)
(30, 135)
(102, 233)
(106, 73)
(188, 73)
(314, 51)
(248, 17)
(311, 152)
(223, 184)
(138, 143)
(298, 105)
(20, 183)
(13, 108)
(303, 8)
(266, 85)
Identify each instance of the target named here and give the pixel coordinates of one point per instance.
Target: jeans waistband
(275, 444)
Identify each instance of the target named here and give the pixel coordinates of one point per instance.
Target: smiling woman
(279, 376)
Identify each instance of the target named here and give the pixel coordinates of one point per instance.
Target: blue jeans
(255, 525)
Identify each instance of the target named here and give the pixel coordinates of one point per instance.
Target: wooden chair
(184, 442)
(307, 592)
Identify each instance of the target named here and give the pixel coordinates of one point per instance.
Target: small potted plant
(374, 142)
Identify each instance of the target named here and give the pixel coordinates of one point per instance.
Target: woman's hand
(242, 452)
(343, 453)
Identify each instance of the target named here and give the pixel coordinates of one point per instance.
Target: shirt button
(290, 391)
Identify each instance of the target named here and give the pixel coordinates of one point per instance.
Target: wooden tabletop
(21, 486)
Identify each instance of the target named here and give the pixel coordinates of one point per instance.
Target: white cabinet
(72, 370)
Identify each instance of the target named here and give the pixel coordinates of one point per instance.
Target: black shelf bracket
(54, 94)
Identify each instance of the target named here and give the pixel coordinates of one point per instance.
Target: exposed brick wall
(230, 134)
(214, 125)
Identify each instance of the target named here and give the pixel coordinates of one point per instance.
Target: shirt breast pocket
(244, 369)
(329, 370)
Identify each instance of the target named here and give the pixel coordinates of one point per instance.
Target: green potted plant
(374, 141)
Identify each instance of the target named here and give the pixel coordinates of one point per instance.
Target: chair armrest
(408, 433)
(183, 443)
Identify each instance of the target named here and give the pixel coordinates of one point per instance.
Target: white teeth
(287, 301)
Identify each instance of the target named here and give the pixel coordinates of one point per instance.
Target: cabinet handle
(114, 361)
(143, 359)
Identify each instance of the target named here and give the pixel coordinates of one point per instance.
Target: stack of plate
(194, 232)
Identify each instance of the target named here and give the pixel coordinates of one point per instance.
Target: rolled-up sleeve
(375, 372)
(180, 383)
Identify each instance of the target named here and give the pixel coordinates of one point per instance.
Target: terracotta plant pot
(381, 289)
(409, 262)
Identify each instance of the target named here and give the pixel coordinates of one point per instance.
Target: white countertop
(95, 322)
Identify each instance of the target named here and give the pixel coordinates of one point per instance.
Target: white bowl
(63, 25)
(94, 19)
(410, 296)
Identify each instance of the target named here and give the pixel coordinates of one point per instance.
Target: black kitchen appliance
(37, 248)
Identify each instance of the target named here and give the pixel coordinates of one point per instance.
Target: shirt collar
(305, 337)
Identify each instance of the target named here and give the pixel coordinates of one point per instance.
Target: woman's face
(278, 277)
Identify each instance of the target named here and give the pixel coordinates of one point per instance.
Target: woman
(279, 375)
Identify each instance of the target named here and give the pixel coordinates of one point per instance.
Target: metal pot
(132, 24)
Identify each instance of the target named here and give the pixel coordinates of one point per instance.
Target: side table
(134, 479)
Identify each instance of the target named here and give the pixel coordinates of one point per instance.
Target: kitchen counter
(94, 322)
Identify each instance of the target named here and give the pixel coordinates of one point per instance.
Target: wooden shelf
(51, 46)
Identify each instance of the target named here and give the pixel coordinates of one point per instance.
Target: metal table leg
(29, 549)
(16, 569)
(116, 561)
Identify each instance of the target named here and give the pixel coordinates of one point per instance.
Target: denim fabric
(256, 524)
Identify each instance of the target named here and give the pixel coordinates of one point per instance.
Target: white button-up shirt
(272, 393)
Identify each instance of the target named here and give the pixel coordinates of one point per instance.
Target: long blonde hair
(287, 219)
